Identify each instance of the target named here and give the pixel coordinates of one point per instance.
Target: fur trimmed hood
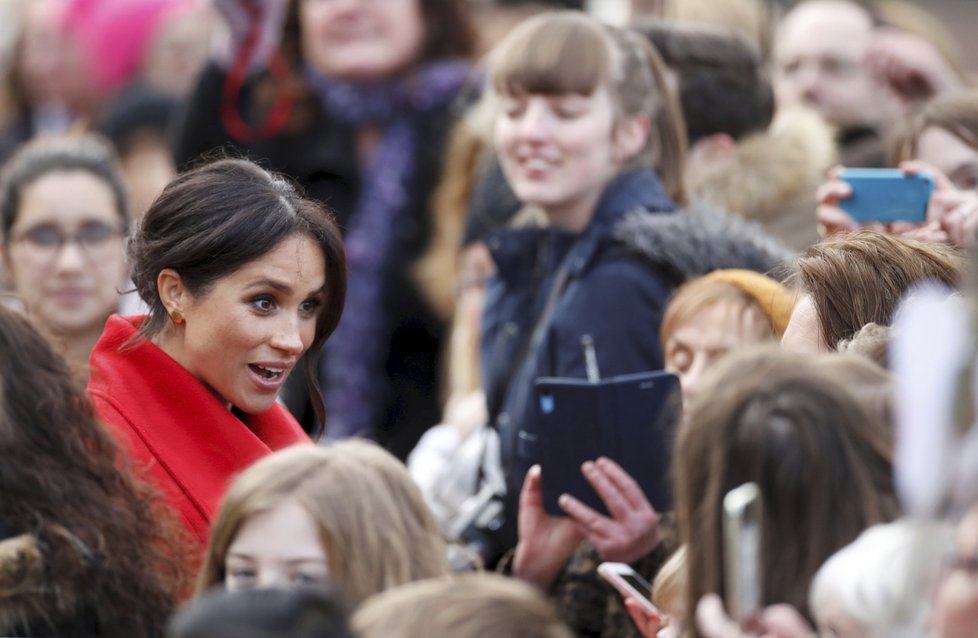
(700, 239)
(768, 170)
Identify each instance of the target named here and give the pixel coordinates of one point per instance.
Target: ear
(716, 146)
(172, 291)
(631, 134)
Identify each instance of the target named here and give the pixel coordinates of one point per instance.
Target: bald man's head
(819, 52)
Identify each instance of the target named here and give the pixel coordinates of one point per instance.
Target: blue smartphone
(887, 195)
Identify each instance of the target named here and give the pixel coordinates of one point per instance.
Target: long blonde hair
(375, 529)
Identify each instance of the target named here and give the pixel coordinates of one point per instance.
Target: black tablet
(630, 419)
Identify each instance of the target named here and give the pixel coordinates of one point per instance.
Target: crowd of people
(280, 281)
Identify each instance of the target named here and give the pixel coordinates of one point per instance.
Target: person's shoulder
(698, 239)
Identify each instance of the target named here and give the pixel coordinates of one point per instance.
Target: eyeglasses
(967, 564)
(46, 240)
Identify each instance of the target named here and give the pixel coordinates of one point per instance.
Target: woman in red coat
(242, 276)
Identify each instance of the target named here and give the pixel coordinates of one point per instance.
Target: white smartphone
(628, 582)
(742, 551)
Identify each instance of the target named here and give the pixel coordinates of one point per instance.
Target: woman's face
(276, 548)
(65, 252)
(804, 333)
(954, 158)
(709, 334)
(361, 40)
(244, 335)
(558, 151)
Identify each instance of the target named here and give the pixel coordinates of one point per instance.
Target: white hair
(876, 580)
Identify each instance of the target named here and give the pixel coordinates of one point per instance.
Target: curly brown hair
(110, 554)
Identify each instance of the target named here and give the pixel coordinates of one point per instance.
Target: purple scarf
(353, 370)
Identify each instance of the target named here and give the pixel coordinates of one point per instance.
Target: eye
(791, 67)
(307, 579)
(95, 233)
(839, 67)
(569, 108)
(965, 177)
(263, 303)
(513, 107)
(241, 577)
(44, 235)
(310, 306)
(679, 359)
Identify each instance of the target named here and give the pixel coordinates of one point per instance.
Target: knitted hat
(774, 299)
(114, 34)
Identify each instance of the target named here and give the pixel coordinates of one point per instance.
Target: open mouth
(270, 374)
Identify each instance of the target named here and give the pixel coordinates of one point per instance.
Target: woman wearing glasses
(64, 216)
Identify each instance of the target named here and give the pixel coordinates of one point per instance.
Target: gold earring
(177, 317)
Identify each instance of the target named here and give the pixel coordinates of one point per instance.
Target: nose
(272, 578)
(536, 120)
(288, 336)
(808, 79)
(70, 257)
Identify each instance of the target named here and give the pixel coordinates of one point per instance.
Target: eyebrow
(270, 283)
(319, 560)
(281, 287)
(291, 561)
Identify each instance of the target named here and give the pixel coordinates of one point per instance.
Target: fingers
(915, 167)
(614, 498)
(624, 484)
(713, 621)
(530, 494)
(960, 224)
(784, 621)
(835, 220)
(647, 625)
(590, 522)
(829, 194)
(633, 529)
(833, 190)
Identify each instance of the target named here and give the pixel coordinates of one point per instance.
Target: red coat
(171, 425)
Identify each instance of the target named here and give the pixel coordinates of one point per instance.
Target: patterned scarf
(353, 369)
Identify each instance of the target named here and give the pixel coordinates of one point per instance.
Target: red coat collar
(170, 422)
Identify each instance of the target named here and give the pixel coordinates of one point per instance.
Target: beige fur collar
(766, 171)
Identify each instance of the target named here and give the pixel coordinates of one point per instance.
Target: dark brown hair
(570, 52)
(769, 417)
(722, 86)
(110, 550)
(297, 612)
(859, 278)
(214, 219)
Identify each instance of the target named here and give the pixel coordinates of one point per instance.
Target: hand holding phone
(886, 195)
(630, 585)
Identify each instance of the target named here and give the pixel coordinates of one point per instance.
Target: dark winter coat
(622, 271)
(609, 301)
